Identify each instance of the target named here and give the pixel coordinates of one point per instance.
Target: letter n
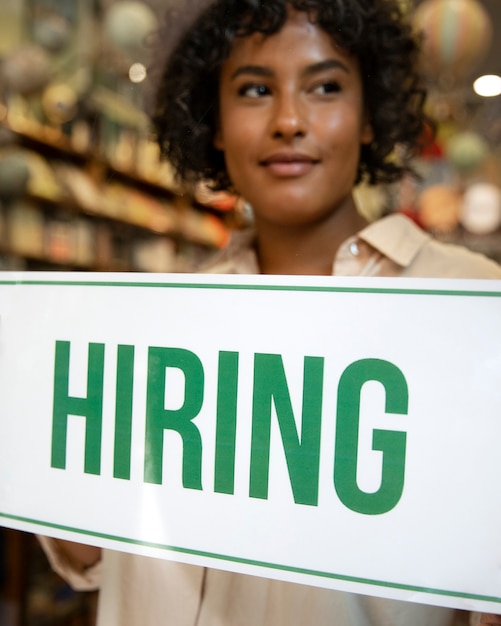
(90, 407)
(302, 454)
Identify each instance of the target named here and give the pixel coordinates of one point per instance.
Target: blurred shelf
(488, 244)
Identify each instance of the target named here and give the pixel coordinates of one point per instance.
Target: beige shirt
(138, 591)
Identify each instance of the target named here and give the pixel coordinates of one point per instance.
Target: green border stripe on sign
(243, 561)
(254, 287)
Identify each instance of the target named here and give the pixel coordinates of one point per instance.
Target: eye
(327, 87)
(254, 90)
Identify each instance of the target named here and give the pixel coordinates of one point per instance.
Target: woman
(288, 103)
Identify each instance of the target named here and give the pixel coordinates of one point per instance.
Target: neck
(306, 250)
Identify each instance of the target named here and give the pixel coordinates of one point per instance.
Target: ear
(367, 134)
(218, 142)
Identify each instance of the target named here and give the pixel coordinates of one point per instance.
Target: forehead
(299, 41)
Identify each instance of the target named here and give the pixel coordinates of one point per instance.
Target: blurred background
(82, 187)
(81, 184)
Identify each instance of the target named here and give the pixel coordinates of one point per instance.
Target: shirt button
(354, 249)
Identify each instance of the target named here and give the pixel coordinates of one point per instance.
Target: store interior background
(82, 187)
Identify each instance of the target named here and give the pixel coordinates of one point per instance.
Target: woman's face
(292, 122)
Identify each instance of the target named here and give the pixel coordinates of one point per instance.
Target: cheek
(245, 130)
(343, 133)
(236, 131)
(239, 140)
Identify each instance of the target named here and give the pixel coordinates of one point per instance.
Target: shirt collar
(395, 237)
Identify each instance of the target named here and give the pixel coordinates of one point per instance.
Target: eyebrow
(315, 68)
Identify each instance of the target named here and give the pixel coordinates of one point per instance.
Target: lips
(289, 164)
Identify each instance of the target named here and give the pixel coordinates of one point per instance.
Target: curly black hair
(185, 107)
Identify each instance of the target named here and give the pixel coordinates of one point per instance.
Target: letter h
(90, 407)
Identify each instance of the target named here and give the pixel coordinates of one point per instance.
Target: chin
(285, 208)
(290, 219)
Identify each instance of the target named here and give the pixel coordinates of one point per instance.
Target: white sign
(343, 433)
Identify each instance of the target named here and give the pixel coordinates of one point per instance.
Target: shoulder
(452, 261)
(419, 255)
(238, 257)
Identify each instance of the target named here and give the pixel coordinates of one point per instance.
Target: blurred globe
(481, 210)
(14, 175)
(26, 70)
(7, 136)
(438, 208)
(128, 23)
(405, 6)
(59, 103)
(457, 35)
(52, 33)
(467, 150)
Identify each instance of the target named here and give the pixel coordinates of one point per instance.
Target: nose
(289, 117)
